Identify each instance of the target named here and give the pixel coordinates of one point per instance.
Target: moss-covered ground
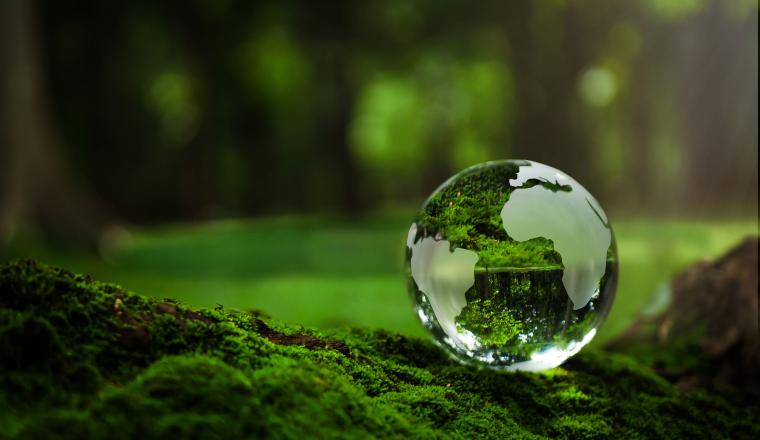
(84, 359)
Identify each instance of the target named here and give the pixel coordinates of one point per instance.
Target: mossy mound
(466, 211)
(85, 359)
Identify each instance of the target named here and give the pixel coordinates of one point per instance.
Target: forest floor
(85, 359)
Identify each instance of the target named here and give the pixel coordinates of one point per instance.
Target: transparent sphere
(511, 264)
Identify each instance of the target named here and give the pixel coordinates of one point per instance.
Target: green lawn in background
(328, 272)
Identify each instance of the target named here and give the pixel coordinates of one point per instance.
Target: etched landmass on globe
(511, 263)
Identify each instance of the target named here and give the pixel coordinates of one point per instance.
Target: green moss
(467, 213)
(493, 325)
(83, 359)
(538, 252)
(516, 313)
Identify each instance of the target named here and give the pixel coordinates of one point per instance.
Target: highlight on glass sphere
(511, 264)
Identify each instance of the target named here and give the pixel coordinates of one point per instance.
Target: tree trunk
(35, 186)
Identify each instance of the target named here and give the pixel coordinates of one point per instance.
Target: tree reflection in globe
(512, 264)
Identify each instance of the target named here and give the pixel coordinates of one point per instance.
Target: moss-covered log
(707, 336)
(85, 359)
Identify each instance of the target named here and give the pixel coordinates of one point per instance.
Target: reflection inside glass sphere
(512, 264)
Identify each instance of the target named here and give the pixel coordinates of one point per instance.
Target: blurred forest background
(150, 131)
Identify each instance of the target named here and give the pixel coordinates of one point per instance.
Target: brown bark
(714, 311)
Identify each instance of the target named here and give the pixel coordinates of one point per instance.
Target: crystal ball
(511, 264)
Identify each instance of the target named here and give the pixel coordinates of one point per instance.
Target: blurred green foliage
(199, 109)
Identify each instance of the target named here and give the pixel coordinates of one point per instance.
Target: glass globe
(511, 264)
